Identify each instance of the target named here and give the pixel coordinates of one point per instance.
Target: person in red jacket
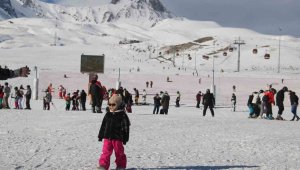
(268, 98)
(198, 98)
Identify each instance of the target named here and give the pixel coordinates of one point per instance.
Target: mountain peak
(148, 12)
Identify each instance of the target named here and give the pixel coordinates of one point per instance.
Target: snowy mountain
(146, 12)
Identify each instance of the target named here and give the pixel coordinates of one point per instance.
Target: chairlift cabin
(189, 56)
(254, 51)
(267, 56)
(224, 53)
(205, 57)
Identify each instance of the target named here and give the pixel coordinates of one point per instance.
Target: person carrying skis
(114, 132)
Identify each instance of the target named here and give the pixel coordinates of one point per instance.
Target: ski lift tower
(239, 42)
(35, 84)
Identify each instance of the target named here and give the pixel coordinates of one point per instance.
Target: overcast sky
(264, 16)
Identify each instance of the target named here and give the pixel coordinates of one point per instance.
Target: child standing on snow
(115, 132)
(68, 101)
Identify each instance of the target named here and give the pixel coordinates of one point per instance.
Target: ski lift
(254, 51)
(224, 53)
(189, 56)
(267, 56)
(205, 57)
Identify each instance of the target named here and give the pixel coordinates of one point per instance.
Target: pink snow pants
(108, 147)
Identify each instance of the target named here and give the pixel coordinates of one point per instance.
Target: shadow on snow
(197, 167)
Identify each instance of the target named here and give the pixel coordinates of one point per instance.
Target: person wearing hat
(279, 102)
(208, 101)
(114, 132)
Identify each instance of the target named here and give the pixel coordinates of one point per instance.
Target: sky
(265, 16)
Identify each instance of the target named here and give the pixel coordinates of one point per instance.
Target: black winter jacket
(280, 97)
(208, 99)
(294, 99)
(115, 125)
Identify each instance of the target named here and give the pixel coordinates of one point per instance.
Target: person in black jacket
(83, 99)
(95, 95)
(279, 102)
(294, 102)
(208, 101)
(6, 73)
(233, 101)
(156, 99)
(28, 97)
(115, 132)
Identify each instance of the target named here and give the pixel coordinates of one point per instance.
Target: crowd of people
(260, 103)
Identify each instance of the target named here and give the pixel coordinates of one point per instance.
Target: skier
(233, 101)
(294, 103)
(115, 132)
(147, 84)
(279, 102)
(198, 99)
(177, 99)
(151, 84)
(208, 101)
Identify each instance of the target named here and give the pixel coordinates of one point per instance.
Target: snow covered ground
(184, 139)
